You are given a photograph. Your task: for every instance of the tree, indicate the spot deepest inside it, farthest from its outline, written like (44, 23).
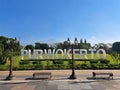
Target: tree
(44, 46)
(65, 45)
(41, 46)
(3, 52)
(84, 45)
(31, 47)
(116, 51)
(37, 45)
(116, 47)
(5, 49)
(59, 45)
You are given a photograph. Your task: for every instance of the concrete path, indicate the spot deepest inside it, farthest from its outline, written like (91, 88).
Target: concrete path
(61, 85)
(84, 81)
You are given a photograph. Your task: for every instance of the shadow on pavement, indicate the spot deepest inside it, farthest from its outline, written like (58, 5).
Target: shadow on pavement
(101, 78)
(36, 79)
(62, 78)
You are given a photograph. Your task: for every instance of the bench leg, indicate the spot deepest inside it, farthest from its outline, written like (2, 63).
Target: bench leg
(109, 78)
(112, 77)
(94, 75)
(33, 75)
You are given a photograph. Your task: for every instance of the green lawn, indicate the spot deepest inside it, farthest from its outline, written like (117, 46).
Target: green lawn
(48, 63)
(16, 60)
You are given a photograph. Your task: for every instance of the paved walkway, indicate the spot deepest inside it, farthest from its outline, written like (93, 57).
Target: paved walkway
(59, 81)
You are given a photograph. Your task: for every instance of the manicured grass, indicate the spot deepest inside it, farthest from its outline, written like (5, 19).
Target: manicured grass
(16, 60)
(46, 63)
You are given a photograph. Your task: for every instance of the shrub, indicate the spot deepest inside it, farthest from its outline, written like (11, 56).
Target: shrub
(2, 62)
(58, 62)
(104, 61)
(35, 62)
(38, 67)
(94, 66)
(85, 66)
(52, 67)
(78, 66)
(24, 67)
(24, 62)
(93, 61)
(69, 64)
(103, 66)
(114, 66)
(2, 67)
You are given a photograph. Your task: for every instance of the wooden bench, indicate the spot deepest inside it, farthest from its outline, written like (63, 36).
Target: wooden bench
(110, 75)
(42, 75)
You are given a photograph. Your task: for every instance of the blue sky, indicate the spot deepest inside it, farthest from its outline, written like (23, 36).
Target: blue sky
(97, 21)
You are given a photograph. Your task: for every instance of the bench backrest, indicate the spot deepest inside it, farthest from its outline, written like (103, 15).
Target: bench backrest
(42, 73)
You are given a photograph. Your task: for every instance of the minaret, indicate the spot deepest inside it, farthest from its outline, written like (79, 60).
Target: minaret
(81, 41)
(85, 41)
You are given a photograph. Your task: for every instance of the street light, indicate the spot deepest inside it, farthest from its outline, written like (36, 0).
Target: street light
(73, 76)
(11, 44)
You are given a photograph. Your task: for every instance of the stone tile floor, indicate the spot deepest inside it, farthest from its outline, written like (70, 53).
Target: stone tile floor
(61, 85)
(59, 81)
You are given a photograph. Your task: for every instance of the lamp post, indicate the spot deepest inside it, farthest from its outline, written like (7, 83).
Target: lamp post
(11, 44)
(73, 76)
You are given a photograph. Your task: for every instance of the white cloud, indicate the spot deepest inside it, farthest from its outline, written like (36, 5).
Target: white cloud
(97, 39)
(93, 40)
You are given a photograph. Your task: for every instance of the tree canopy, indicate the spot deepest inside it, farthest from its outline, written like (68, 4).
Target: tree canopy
(5, 48)
(116, 47)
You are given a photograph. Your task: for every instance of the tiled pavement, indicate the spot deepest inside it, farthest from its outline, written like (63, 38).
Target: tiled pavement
(60, 82)
(61, 85)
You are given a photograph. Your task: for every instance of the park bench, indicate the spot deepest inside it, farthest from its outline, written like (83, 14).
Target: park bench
(42, 75)
(110, 75)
